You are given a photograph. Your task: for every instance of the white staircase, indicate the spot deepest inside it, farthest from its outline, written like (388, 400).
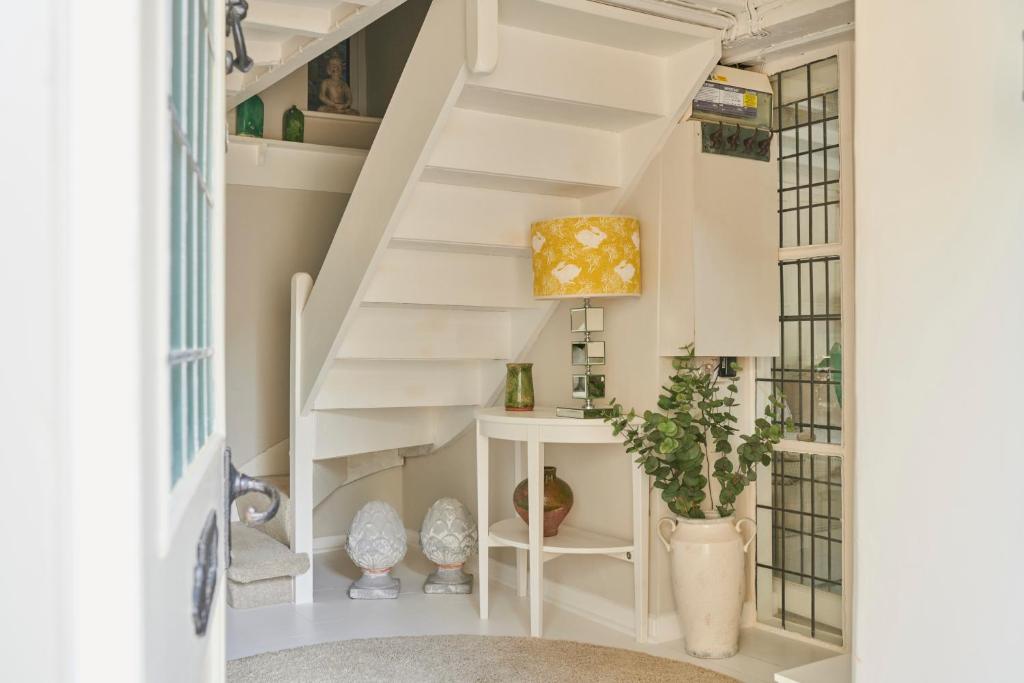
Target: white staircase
(506, 113)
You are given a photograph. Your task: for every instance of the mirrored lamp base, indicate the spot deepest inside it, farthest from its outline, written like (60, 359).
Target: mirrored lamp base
(582, 413)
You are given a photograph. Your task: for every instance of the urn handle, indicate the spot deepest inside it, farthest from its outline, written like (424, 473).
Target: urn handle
(753, 525)
(674, 523)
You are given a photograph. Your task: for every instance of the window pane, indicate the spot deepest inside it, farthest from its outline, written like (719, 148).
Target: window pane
(794, 85)
(191, 393)
(824, 76)
(799, 564)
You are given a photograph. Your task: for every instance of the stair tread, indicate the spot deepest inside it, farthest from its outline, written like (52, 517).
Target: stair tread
(497, 145)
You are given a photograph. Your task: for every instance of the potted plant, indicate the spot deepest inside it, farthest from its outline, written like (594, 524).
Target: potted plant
(685, 447)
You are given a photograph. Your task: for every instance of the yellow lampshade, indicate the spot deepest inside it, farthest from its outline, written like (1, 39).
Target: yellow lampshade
(586, 256)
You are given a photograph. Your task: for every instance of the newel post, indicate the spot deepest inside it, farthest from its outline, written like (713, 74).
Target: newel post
(481, 35)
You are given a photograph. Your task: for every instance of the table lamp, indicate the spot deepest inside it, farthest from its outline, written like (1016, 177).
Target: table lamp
(586, 257)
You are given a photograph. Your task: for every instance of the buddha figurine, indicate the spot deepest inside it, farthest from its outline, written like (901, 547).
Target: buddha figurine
(335, 94)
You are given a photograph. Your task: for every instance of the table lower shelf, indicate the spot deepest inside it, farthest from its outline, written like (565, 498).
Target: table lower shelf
(514, 533)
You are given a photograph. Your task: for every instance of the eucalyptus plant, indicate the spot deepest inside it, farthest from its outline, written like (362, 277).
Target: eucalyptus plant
(697, 425)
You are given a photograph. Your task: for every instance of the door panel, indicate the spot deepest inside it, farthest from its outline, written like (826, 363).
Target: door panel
(186, 529)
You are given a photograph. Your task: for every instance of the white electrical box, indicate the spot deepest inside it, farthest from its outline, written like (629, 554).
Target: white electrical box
(734, 96)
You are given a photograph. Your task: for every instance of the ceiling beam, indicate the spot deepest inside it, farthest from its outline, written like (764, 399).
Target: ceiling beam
(785, 26)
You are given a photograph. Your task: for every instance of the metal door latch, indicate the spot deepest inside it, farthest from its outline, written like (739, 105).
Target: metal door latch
(237, 484)
(236, 12)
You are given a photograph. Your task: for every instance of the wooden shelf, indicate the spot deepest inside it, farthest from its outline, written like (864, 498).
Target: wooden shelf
(514, 533)
(340, 130)
(292, 165)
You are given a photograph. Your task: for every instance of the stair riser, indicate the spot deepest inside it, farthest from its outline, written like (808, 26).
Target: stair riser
(414, 276)
(410, 333)
(345, 433)
(572, 71)
(384, 384)
(477, 216)
(492, 144)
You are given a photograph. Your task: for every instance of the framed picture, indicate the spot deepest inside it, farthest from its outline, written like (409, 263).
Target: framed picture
(334, 79)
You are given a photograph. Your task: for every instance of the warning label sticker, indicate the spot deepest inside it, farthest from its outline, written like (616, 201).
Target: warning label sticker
(718, 98)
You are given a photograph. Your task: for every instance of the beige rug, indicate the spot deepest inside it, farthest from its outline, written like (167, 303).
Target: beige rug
(463, 658)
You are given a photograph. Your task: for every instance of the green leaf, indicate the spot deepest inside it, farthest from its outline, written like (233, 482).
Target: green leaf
(668, 428)
(667, 445)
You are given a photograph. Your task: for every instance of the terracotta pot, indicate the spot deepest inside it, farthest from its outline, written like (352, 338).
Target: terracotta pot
(557, 501)
(707, 581)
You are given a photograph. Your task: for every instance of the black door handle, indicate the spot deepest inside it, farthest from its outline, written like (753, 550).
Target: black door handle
(236, 12)
(239, 484)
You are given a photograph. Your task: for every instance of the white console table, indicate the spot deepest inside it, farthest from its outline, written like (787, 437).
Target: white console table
(536, 428)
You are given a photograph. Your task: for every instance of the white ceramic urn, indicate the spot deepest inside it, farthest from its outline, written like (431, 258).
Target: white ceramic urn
(707, 580)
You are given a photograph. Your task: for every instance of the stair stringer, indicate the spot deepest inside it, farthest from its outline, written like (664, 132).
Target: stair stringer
(423, 98)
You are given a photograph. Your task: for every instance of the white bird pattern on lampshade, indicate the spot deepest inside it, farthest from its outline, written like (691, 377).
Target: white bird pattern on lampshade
(566, 272)
(591, 237)
(538, 243)
(625, 270)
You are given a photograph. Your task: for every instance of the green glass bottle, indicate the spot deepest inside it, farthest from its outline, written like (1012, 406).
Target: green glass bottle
(294, 124)
(249, 117)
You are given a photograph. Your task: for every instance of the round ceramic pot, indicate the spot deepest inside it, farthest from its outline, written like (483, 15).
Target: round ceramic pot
(707, 562)
(557, 501)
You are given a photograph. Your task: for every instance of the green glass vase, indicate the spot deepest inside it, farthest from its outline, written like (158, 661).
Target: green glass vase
(519, 386)
(294, 124)
(249, 118)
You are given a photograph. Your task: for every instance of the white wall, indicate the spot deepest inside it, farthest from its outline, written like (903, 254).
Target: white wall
(271, 234)
(939, 517)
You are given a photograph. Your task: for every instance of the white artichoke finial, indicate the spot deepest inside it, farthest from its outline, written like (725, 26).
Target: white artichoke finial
(376, 540)
(448, 535)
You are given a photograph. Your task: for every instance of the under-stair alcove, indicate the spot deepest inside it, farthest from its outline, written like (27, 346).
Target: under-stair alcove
(379, 279)
(512, 340)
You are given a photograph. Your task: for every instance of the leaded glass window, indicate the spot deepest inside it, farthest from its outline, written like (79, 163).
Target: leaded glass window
(800, 511)
(190, 359)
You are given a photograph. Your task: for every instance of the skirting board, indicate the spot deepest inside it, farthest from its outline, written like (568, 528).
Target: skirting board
(328, 544)
(662, 628)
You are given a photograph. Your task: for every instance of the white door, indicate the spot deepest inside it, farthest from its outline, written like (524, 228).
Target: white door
(185, 563)
(112, 388)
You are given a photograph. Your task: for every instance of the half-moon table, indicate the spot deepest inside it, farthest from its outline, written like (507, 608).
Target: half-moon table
(536, 428)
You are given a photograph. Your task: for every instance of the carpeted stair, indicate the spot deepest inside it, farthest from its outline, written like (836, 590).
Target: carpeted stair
(263, 565)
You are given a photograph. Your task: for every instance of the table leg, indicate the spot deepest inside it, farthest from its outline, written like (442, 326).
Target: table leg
(641, 515)
(482, 509)
(535, 474)
(521, 555)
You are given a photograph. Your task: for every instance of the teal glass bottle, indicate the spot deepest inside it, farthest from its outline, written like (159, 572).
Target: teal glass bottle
(294, 124)
(249, 117)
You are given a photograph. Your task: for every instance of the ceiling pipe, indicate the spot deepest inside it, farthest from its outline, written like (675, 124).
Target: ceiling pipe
(678, 10)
